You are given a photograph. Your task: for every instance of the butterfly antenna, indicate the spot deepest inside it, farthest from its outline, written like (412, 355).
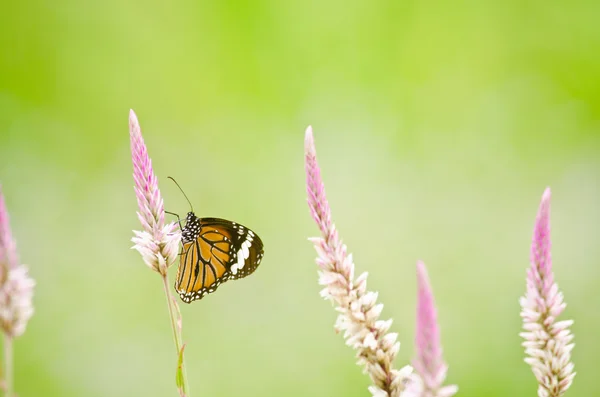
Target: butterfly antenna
(184, 195)
(178, 218)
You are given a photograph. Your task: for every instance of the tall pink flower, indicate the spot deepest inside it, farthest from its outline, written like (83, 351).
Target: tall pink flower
(157, 243)
(358, 308)
(547, 341)
(16, 286)
(16, 295)
(429, 364)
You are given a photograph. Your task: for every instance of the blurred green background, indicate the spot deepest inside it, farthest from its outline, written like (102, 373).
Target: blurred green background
(438, 125)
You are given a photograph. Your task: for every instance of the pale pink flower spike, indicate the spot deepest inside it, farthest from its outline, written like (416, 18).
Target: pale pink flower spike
(16, 296)
(8, 247)
(547, 341)
(158, 244)
(16, 286)
(358, 308)
(429, 365)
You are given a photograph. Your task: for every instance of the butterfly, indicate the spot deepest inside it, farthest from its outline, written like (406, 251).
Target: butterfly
(214, 251)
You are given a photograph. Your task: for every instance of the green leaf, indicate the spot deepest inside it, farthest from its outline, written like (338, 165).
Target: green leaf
(179, 374)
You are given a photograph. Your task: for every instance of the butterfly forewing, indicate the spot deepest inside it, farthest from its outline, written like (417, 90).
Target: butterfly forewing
(214, 251)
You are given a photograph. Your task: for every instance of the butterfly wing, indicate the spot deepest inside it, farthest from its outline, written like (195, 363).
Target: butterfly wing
(214, 250)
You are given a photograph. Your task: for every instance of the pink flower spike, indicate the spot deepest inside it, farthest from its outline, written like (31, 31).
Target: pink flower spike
(429, 364)
(358, 309)
(547, 342)
(540, 246)
(157, 243)
(16, 286)
(8, 249)
(317, 200)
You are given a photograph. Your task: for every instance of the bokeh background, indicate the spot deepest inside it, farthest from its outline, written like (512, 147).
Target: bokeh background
(438, 125)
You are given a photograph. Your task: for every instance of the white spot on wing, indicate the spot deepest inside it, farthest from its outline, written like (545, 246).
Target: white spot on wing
(245, 247)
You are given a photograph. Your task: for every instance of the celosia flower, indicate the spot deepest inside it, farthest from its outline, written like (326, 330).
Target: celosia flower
(547, 341)
(358, 308)
(16, 286)
(429, 364)
(8, 253)
(157, 243)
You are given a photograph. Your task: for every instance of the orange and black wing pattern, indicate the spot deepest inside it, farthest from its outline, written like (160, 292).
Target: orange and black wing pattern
(214, 251)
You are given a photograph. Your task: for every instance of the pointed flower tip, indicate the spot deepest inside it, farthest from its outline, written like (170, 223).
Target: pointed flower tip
(422, 276)
(544, 210)
(8, 250)
(545, 203)
(540, 246)
(134, 125)
(547, 194)
(309, 142)
(2, 206)
(426, 312)
(309, 131)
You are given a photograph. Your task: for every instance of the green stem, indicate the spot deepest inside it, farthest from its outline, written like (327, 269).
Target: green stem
(176, 331)
(8, 361)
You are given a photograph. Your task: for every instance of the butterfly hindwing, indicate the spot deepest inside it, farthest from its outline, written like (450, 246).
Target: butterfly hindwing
(214, 250)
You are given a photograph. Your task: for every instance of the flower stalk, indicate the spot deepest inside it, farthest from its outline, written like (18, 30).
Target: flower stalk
(157, 243)
(8, 364)
(358, 308)
(547, 341)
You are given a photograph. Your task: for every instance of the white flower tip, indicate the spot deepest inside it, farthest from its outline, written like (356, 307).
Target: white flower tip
(309, 143)
(546, 195)
(134, 125)
(132, 116)
(309, 131)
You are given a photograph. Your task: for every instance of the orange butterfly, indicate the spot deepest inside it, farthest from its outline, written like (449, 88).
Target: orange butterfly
(214, 251)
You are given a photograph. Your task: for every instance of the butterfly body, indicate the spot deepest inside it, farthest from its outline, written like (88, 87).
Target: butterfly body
(214, 251)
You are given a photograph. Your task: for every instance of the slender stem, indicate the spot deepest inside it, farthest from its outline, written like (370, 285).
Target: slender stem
(8, 361)
(176, 330)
